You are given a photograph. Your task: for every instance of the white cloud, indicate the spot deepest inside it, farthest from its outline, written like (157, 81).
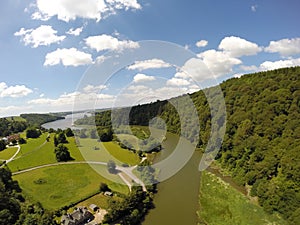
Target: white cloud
(286, 47)
(107, 42)
(254, 8)
(126, 4)
(66, 101)
(138, 78)
(93, 89)
(219, 63)
(75, 32)
(13, 110)
(149, 64)
(68, 57)
(16, 91)
(177, 82)
(249, 68)
(236, 46)
(201, 43)
(67, 10)
(43, 35)
(268, 65)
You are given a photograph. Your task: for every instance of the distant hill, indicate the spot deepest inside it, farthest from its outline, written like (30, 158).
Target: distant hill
(34, 119)
(261, 147)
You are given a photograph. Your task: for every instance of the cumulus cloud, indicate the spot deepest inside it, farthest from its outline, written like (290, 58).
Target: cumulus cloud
(138, 78)
(218, 62)
(148, 64)
(93, 89)
(201, 43)
(66, 101)
(16, 91)
(75, 32)
(107, 42)
(285, 47)
(269, 65)
(177, 82)
(236, 47)
(43, 35)
(68, 57)
(67, 10)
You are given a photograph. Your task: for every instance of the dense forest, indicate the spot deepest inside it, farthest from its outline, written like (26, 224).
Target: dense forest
(36, 120)
(10, 126)
(261, 147)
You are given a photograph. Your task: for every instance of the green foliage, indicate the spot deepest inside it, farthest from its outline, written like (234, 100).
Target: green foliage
(8, 127)
(2, 145)
(33, 133)
(69, 132)
(62, 153)
(10, 207)
(130, 210)
(37, 120)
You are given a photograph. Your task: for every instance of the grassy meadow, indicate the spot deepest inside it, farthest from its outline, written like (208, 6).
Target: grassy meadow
(8, 153)
(62, 185)
(220, 204)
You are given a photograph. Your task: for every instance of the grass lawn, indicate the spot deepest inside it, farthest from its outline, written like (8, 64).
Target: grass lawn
(99, 200)
(8, 153)
(38, 152)
(106, 151)
(221, 204)
(62, 185)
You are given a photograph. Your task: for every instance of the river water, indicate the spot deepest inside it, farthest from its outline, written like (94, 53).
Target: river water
(177, 199)
(65, 123)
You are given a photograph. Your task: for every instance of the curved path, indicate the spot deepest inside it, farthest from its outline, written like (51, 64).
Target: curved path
(126, 170)
(13, 157)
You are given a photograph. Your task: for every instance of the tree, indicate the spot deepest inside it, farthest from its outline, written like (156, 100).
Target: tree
(2, 145)
(103, 187)
(111, 166)
(33, 133)
(61, 138)
(62, 153)
(55, 141)
(69, 132)
(22, 141)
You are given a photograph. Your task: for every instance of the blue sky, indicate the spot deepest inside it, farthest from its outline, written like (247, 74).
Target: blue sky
(46, 46)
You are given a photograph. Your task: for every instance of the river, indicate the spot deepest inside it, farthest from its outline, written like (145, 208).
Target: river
(176, 202)
(65, 123)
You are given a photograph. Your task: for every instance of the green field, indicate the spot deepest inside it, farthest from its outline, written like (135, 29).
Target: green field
(62, 185)
(8, 153)
(36, 152)
(106, 151)
(220, 204)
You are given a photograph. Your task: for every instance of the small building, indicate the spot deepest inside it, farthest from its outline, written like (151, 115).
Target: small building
(94, 207)
(108, 193)
(79, 216)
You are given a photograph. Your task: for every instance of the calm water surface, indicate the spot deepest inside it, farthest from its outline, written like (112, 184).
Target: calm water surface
(65, 123)
(177, 198)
